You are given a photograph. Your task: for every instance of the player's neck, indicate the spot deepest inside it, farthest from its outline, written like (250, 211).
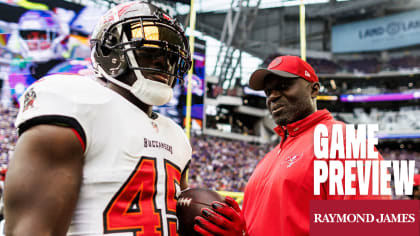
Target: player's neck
(131, 98)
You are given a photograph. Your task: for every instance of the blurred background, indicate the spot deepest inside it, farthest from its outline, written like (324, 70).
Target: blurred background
(366, 53)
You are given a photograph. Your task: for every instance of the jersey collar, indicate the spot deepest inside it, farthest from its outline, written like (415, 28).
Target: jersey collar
(299, 126)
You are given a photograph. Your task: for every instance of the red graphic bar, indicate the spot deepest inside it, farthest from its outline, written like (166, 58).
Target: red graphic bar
(365, 217)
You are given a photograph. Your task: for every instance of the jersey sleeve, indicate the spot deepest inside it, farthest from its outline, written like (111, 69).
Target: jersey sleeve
(188, 152)
(55, 100)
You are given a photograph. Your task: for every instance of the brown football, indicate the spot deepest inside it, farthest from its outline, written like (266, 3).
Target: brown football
(189, 205)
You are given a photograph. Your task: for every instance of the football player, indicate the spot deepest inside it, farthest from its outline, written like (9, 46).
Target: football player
(42, 41)
(94, 159)
(41, 35)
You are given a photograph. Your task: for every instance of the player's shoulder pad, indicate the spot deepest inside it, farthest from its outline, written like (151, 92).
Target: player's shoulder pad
(75, 88)
(69, 96)
(169, 123)
(179, 139)
(176, 130)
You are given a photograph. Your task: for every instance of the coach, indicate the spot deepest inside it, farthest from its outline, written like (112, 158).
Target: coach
(278, 194)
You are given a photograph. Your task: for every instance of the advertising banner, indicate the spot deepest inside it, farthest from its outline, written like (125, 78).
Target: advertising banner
(399, 30)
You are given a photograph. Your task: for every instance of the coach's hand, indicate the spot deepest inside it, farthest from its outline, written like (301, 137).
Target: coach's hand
(222, 219)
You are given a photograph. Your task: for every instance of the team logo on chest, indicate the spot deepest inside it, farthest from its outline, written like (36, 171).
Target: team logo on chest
(291, 160)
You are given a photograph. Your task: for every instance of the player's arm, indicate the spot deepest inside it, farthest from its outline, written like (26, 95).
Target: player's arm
(43, 181)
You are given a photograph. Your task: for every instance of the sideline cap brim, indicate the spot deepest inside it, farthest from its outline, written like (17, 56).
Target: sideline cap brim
(256, 82)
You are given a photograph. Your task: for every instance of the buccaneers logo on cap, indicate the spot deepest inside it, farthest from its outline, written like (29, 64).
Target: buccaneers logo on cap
(275, 63)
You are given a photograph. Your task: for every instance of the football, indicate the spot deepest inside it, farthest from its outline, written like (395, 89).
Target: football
(189, 205)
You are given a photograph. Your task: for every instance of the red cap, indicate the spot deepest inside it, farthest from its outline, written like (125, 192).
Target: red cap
(416, 180)
(284, 66)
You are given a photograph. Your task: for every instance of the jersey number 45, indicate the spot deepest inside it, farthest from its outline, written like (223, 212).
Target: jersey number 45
(133, 208)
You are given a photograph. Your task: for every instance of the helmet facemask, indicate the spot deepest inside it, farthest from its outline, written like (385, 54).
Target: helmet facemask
(155, 49)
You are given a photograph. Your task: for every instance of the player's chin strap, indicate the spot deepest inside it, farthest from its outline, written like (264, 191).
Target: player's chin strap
(148, 91)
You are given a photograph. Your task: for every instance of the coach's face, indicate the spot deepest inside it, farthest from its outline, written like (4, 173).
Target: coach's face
(290, 99)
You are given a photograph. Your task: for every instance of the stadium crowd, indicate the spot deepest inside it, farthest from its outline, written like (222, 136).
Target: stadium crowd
(223, 164)
(8, 134)
(402, 121)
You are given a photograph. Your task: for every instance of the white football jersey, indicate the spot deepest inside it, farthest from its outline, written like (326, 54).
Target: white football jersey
(133, 163)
